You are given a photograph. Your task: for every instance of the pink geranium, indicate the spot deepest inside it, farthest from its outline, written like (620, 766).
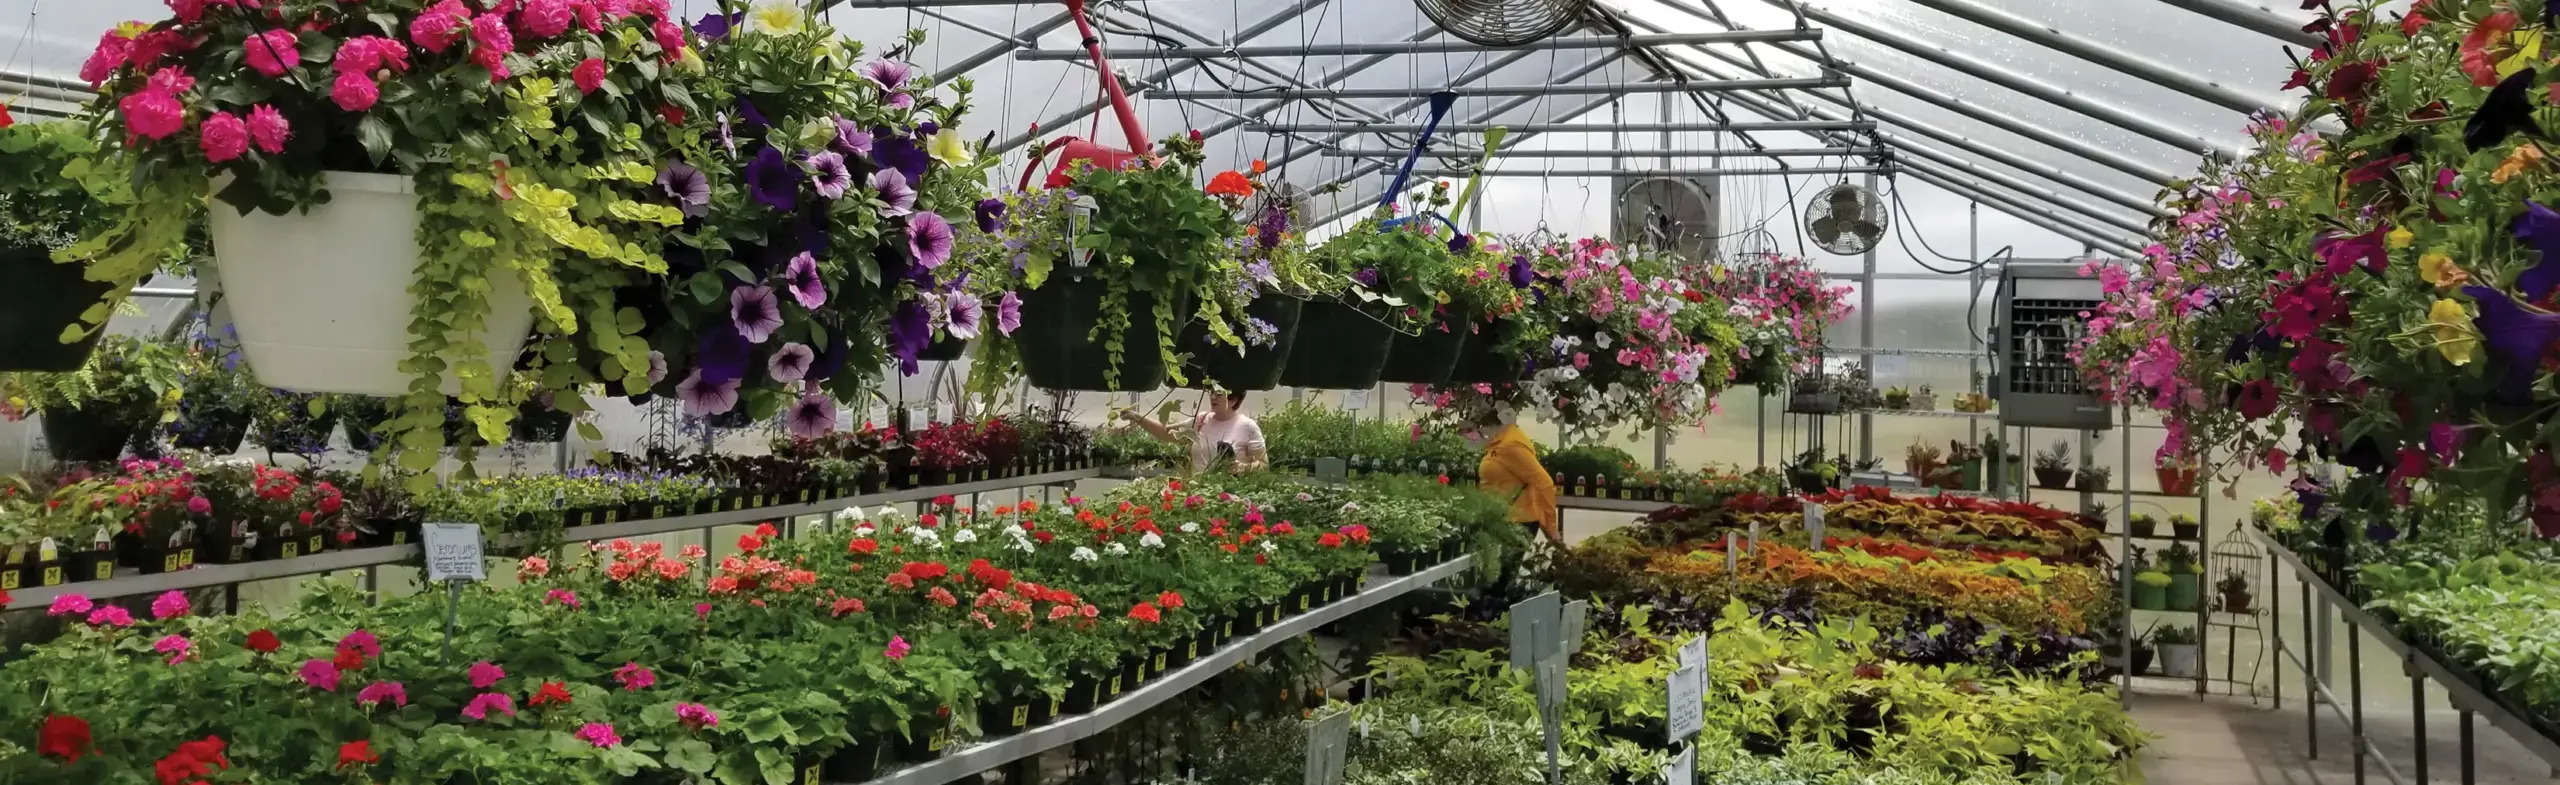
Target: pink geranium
(634, 677)
(152, 114)
(599, 734)
(70, 604)
(696, 716)
(172, 603)
(354, 91)
(271, 53)
(222, 137)
(485, 673)
(176, 646)
(319, 674)
(898, 647)
(110, 616)
(479, 707)
(382, 692)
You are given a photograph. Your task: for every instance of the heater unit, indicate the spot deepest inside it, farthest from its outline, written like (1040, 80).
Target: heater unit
(2042, 311)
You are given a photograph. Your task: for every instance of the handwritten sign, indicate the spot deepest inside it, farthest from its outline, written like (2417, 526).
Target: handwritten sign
(1688, 702)
(453, 552)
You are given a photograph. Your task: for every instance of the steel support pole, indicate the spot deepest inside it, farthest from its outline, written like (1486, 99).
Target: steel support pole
(2252, 17)
(2181, 138)
(1161, 76)
(1555, 128)
(2418, 719)
(2120, 61)
(1866, 339)
(2470, 766)
(1793, 152)
(1429, 47)
(1008, 44)
(1801, 170)
(1506, 91)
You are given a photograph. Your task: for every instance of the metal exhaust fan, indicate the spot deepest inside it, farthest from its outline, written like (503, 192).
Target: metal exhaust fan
(1668, 214)
(2039, 315)
(1504, 23)
(1845, 219)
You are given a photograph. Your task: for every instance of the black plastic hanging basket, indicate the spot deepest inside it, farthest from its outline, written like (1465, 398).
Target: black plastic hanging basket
(1060, 351)
(537, 424)
(1483, 361)
(39, 298)
(79, 435)
(1257, 367)
(1427, 357)
(945, 350)
(1345, 348)
(217, 431)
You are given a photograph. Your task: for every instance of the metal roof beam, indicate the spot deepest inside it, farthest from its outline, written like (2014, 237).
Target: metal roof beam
(1605, 173)
(1430, 47)
(1971, 66)
(1566, 128)
(2122, 62)
(2252, 17)
(1283, 77)
(1004, 42)
(1503, 91)
(2032, 214)
(1370, 202)
(1737, 152)
(1471, 74)
(2013, 160)
(1161, 76)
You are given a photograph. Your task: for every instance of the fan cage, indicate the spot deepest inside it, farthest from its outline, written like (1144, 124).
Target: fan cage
(1869, 208)
(2041, 334)
(1504, 23)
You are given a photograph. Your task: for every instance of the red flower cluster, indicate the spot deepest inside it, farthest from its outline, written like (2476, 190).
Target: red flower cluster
(641, 560)
(63, 738)
(552, 692)
(357, 753)
(988, 575)
(1146, 612)
(755, 572)
(264, 642)
(863, 546)
(192, 763)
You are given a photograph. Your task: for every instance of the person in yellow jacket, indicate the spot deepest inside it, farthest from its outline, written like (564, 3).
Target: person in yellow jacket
(1510, 467)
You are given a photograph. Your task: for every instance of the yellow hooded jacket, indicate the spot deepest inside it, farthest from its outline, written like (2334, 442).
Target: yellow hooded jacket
(1511, 466)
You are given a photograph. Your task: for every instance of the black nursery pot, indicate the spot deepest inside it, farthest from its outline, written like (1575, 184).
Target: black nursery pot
(1014, 715)
(1427, 358)
(38, 299)
(858, 762)
(80, 435)
(928, 738)
(2186, 531)
(1083, 693)
(1060, 350)
(1257, 367)
(217, 431)
(1347, 348)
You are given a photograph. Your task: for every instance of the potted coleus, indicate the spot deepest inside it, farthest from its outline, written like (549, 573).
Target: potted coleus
(1106, 273)
(401, 194)
(127, 388)
(44, 208)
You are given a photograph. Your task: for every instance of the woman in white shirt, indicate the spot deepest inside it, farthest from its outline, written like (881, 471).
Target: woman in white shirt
(1223, 425)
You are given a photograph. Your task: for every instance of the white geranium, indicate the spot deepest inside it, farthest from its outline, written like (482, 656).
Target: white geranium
(849, 514)
(925, 537)
(1350, 507)
(1116, 549)
(1150, 540)
(1022, 544)
(1190, 528)
(1084, 554)
(964, 536)
(1270, 546)
(890, 513)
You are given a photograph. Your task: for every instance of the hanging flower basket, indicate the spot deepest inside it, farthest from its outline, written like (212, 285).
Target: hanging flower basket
(1061, 352)
(1347, 348)
(321, 298)
(945, 349)
(38, 299)
(1258, 367)
(1425, 358)
(79, 435)
(1483, 361)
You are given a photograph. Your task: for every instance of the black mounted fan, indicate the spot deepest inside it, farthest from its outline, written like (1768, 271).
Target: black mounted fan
(1502, 22)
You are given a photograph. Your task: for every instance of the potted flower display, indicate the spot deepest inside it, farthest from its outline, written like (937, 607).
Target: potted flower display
(1924, 399)
(127, 388)
(402, 196)
(218, 401)
(1897, 398)
(1812, 394)
(1395, 271)
(1265, 278)
(2150, 590)
(2179, 650)
(2177, 475)
(2185, 527)
(2186, 576)
(2053, 466)
(295, 423)
(2233, 590)
(1786, 305)
(44, 208)
(2141, 524)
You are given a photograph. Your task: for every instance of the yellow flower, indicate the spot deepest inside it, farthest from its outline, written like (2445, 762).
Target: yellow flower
(2401, 237)
(776, 16)
(2455, 337)
(690, 61)
(949, 148)
(2440, 271)
(2525, 156)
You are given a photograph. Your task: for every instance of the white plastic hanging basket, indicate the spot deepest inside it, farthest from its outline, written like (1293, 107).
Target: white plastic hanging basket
(321, 298)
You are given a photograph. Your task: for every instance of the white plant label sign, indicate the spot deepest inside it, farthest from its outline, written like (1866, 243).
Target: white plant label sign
(453, 552)
(1683, 768)
(1813, 524)
(1328, 742)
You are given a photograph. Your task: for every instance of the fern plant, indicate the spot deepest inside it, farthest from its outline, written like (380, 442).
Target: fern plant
(128, 379)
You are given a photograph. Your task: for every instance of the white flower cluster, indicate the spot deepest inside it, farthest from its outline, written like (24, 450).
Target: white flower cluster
(1190, 527)
(1150, 540)
(849, 514)
(1021, 539)
(1116, 549)
(964, 536)
(925, 538)
(1084, 554)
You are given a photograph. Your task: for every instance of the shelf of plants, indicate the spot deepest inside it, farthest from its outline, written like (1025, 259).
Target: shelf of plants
(195, 574)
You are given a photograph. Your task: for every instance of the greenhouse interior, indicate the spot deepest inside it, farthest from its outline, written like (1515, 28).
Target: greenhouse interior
(1329, 392)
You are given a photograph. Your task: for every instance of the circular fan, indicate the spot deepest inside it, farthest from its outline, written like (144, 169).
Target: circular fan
(1502, 22)
(1845, 219)
(1666, 214)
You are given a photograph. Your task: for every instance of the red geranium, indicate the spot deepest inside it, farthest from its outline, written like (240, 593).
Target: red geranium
(1170, 599)
(551, 692)
(1146, 612)
(264, 642)
(64, 736)
(192, 762)
(356, 753)
(1330, 540)
(864, 545)
(348, 660)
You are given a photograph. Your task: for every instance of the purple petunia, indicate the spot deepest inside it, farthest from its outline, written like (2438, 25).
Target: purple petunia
(910, 328)
(722, 354)
(714, 27)
(831, 359)
(688, 186)
(773, 181)
(703, 399)
(812, 416)
(1522, 274)
(990, 214)
(897, 151)
(754, 312)
(802, 279)
(850, 139)
(2539, 227)
(657, 367)
(752, 119)
(888, 74)
(929, 238)
(896, 198)
(828, 174)
(964, 315)
(1008, 313)
(790, 363)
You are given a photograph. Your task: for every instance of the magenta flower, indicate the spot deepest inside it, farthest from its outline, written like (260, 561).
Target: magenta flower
(812, 416)
(319, 674)
(110, 616)
(362, 642)
(154, 113)
(199, 505)
(599, 734)
(898, 647)
(635, 677)
(802, 279)
(828, 174)
(696, 716)
(754, 312)
(1008, 313)
(703, 399)
(790, 363)
(895, 197)
(271, 53)
(382, 692)
(850, 139)
(701, 611)
(268, 129)
(171, 603)
(354, 91)
(929, 238)
(176, 646)
(2343, 252)
(545, 18)
(480, 707)
(562, 596)
(69, 604)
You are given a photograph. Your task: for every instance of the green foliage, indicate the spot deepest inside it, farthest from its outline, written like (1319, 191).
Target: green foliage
(128, 380)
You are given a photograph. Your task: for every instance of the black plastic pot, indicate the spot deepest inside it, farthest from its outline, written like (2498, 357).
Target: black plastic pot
(1426, 358)
(859, 762)
(1256, 367)
(1347, 348)
(2186, 531)
(299, 432)
(362, 420)
(945, 350)
(1015, 715)
(927, 737)
(1481, 360)
(1083, 693)
(217, 431)
(81, 435)
(1060, 350)
(39, 298)
(541, 424)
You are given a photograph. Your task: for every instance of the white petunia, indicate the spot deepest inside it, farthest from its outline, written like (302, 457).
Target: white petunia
(1601, 340)
(1084, 554)
(1150, 540)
